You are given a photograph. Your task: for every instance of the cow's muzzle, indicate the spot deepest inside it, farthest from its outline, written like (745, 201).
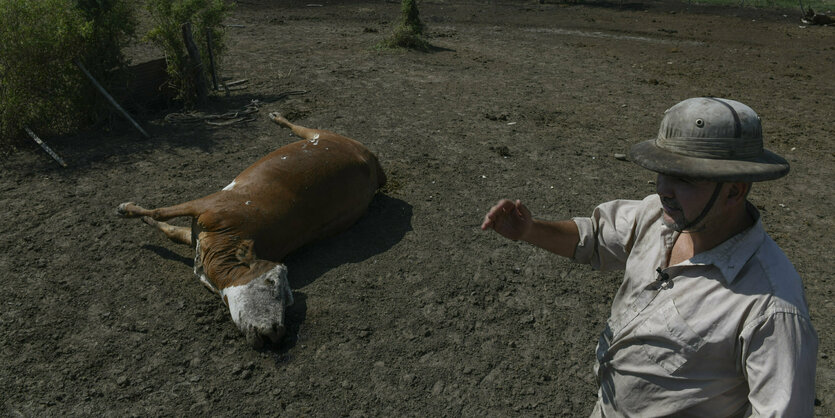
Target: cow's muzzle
(258, 306)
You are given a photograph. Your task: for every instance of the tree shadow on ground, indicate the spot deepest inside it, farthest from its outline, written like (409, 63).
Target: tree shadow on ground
(619, 5)
(117, 138)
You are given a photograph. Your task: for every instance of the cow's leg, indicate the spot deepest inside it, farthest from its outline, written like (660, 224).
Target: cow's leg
(155, 218)
(178, 234)
(300, 131)
(132, 210)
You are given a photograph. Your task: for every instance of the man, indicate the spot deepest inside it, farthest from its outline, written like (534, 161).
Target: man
(710, 319)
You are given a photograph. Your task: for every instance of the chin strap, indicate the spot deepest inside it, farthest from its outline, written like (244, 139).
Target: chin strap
(707, 208)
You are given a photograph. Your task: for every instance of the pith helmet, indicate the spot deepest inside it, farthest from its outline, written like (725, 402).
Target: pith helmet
(710, 139)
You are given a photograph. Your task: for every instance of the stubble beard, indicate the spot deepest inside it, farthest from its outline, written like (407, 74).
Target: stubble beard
(679, 224)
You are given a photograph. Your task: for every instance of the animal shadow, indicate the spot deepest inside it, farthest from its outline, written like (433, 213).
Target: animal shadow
(387, 221)
(168, 254)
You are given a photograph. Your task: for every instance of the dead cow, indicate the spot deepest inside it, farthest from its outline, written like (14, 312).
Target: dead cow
(297, 194)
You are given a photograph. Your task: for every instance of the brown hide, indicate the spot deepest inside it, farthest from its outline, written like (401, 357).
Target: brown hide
(297, 194)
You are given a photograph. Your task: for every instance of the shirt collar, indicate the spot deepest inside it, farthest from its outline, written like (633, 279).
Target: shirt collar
(730, 256)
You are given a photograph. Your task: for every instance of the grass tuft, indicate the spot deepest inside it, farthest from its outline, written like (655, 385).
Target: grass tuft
(409, 32)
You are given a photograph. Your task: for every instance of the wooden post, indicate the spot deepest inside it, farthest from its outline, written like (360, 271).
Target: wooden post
(210, 47)
(45, 147)
(111, 99)
(196, 63)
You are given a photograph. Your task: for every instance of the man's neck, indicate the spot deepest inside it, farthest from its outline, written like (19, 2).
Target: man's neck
(714, 231)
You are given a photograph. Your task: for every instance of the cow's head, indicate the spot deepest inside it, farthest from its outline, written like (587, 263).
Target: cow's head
(257, 307)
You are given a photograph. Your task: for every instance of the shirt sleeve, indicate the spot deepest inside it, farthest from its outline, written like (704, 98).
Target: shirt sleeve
(779, 364)
(607, 236)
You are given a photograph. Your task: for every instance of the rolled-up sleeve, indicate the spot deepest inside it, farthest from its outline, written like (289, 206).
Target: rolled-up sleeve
(779, 365)
(606, 238)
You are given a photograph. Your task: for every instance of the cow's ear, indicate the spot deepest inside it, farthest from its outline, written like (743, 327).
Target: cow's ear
(246, 251)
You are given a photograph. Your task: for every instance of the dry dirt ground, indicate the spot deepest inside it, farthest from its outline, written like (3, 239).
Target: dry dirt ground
(414, 311)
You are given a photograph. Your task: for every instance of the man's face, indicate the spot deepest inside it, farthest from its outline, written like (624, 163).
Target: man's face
(683, 200)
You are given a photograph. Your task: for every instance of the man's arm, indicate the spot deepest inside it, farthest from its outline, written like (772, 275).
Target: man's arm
(514, 221)
(780, 366)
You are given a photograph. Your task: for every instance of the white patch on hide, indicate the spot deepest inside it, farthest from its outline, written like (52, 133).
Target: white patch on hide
(268, 293)
(234, 297)
(230, 186)
(315, 139)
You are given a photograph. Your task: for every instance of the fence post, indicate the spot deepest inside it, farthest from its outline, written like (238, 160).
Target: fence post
(210, 47)
(196, 63)
(110, 98)
(45, 147)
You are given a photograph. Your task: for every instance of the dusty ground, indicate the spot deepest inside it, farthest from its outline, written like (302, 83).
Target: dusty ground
(414, 311)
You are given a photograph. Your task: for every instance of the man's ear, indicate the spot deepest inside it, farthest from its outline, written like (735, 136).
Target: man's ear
(737, 192)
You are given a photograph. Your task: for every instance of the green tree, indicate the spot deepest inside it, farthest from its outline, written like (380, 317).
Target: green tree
(204, 15)
(40, 86)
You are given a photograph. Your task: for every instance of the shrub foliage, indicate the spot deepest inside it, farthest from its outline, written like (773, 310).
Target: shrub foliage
(409, 31)
(204, 15)
(40, 86)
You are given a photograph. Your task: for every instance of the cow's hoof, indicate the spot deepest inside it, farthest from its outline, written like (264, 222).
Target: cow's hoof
(123, 211)
(258, 306)
(277, 118)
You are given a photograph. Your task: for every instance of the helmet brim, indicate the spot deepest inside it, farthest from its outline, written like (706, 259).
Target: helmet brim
(767, 166)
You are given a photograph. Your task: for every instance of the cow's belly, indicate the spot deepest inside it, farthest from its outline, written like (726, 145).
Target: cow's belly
(323, 209)
(281, 217)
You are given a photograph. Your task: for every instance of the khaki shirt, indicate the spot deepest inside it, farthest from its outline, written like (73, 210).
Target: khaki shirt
(727, 333)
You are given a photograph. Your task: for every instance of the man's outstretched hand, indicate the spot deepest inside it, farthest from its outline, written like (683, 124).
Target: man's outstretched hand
(510, 219)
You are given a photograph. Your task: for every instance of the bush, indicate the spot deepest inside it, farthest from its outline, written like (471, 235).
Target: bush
(114, 26)
(409, 32)
(169, 16)
(40, 86)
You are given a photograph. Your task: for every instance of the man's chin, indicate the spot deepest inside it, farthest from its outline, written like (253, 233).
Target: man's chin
(672, 223)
